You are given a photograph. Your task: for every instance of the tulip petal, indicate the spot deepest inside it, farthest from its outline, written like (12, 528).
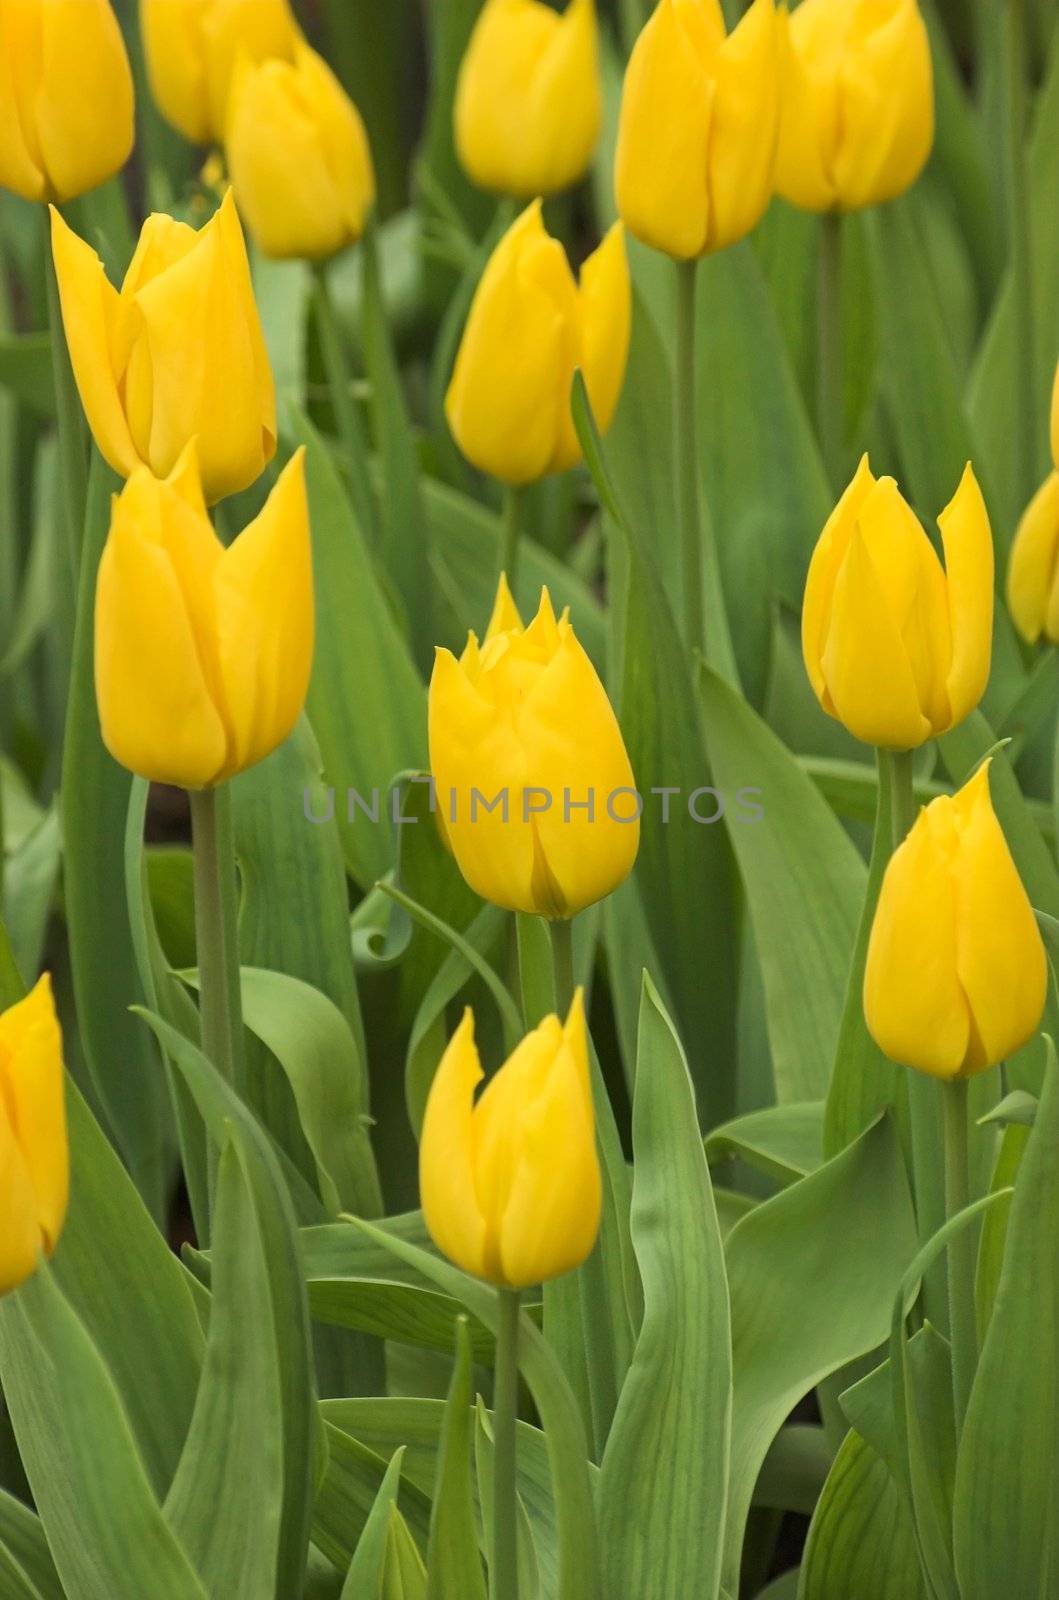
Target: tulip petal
(1033, 569)
(565, 104)
(605, 317)
(20, 1241)
(262, 29)
(21, 165)
(505, 617)
(90, 312)
(824, 567)
(84, 104)
(263, 587)
(914, 1002)
(808, 123)
(887, 109)
(32, 1083)
(172, 41)
(968, 543)
(744, 126)
(446, 1155)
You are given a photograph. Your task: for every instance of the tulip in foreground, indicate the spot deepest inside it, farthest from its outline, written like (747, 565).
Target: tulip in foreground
(66, 97)
(531, 326)
(510, 1182)
(177, 354)
(34, 1165)
(699, 121)
(1033, 567)
(298, 157)
(896, 646)
(202, 653)
(533, 783)
(858, 105)
(192, 46)
(956, 972)
(529, 100)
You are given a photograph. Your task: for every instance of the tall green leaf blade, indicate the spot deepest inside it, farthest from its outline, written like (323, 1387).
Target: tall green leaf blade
(365, 1573)
(22, 1537)
(454, 1566)
(860, 1540)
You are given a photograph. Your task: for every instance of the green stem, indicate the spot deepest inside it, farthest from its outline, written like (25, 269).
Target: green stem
(562, 937)
(351, 434)
(962, 1251)
(503, 1569)
(509, 538)
(220, 1004)
(829, 409)
(689, 510)
(1028, 430)
(73, 455)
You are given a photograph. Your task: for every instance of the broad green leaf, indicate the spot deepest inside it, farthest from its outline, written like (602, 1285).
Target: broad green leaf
(454, 1565)
(1006, 1533)
(226, 1499)
(860, 1540)
(785, 1142)
(848, 1230)
(804, 884)
(665, 1469)
(22, 1539)
(348, 1492)
(399, 1311)
(29, 880)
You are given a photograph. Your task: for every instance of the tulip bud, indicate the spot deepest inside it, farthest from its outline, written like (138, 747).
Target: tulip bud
(896, 646)
(510, 1182)
(298, 157)
(66, 97)
(1033, 567)
(34, 1164)
(203, 653)
(858, 108)
(178, 354)
(697, 132)
(956, 973)
(531, 326)
(531, 775)
(529, 101)
(192, 46)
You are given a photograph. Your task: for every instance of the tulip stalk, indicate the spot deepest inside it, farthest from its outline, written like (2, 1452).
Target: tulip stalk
(962, 1249)
(511, 530)
(220, 1003)
(340, 383)
(561, 931)
(503, 1574)
(829, 409)
(688, 508)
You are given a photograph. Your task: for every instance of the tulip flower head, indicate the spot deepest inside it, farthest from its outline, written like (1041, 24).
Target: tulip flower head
(298, 156)
(1033, 567)
(956, 972)
(699, 121)
(529, 100)
(34, 1164)
(531, 326)
(192, 47)
(858, 107)
(510, 1182)
(178, 354)
(66, 97)
(524, 717)
(202, 653)
(896, 646)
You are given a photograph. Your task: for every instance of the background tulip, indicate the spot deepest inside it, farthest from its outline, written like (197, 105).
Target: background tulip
(529, 101)
(192, 47)
(178, 354)
(896, 647)
(526, 711)
(698, 126)
(203, 653)
(298, 157)
(66, 97)
(1033, 568)
(956, 972)
(34, 1166)
(858, 103)
(510, 1182)
(530, 327)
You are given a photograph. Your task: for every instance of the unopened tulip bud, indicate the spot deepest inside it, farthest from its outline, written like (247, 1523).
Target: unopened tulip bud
(34, 1163)
(192, 47)
(1033, 567)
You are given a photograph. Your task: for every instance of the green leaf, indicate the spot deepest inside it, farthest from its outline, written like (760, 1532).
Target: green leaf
(226, 1499)
(1006, 1533)
(454, 1565)
(784, 1142)
(665, 1469)
(528, 1565)
(348, 1492)
(26, 1548)
(860, 1541)
(804, 884)
(26, 371)
(365, 1573)
(994, 1232)
(849, 1231)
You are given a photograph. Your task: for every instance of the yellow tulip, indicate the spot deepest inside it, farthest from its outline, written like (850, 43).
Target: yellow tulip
(177, 354)
(896, 646)
(1033, 567)
(956, 973)
(510, 1182)
(858, 108)
(298, 157)
(34, 1164)
(533, 783)
(529, 101)
(66, 97)
(699, 121)
(192, 47)
(203, 653)
(531, 325)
